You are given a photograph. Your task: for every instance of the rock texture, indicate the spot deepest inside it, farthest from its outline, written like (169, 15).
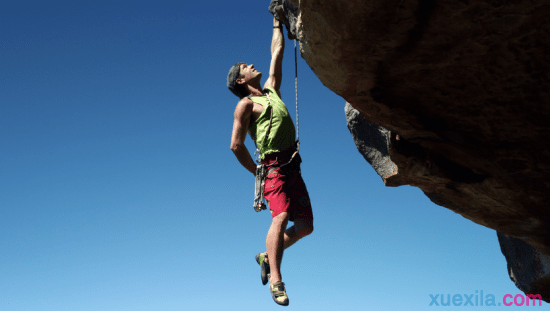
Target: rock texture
(290, 13)
(372, 141)
(527, 267)
(463, 86)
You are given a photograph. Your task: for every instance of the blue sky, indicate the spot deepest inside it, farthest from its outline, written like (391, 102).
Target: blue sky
(118, 189)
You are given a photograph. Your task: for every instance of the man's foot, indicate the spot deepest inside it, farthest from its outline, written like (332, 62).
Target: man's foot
(278, 293)
(261, 259)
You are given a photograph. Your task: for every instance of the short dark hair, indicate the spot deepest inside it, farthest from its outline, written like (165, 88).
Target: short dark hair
(236, 88)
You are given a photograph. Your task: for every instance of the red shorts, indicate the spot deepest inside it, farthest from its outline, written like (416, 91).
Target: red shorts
(285, 190)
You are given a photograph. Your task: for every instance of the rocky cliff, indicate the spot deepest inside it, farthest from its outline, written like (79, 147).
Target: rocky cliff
(461, 89)
(527, 267)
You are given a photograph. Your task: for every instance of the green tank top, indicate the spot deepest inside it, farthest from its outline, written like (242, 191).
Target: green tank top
(282, 134)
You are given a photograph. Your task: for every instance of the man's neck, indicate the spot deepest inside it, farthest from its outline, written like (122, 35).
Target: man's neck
(255, 89)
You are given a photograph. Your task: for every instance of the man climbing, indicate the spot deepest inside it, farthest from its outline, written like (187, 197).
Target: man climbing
(262, 113)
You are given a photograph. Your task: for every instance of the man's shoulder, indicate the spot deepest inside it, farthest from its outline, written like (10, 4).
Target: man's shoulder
(244, 101)
(244, 106)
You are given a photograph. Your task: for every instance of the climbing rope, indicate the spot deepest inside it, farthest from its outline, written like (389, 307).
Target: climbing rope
(296, 79)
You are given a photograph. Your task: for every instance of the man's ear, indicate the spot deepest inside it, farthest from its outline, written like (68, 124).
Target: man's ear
(240, 81)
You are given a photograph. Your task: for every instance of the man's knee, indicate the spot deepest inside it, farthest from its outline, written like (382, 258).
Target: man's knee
(305, 227)
(308, 229)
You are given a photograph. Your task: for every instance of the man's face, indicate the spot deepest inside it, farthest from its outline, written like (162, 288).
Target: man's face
(248, 73)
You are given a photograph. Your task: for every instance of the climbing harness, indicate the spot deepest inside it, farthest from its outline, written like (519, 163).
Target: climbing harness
(262, 170)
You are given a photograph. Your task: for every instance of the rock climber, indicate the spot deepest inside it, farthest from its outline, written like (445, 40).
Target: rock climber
(263, 114)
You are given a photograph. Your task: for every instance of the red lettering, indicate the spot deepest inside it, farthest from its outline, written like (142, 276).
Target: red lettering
(537, 296)
(522, 300)
(504, 300)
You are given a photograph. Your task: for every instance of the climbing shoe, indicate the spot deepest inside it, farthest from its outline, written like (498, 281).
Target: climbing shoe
(278, 293)
(261, 259)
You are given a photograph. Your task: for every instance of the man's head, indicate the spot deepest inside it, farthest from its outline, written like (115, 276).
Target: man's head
(240, 76)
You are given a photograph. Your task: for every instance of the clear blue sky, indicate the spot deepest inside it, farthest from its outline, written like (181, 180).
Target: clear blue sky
(118, 189)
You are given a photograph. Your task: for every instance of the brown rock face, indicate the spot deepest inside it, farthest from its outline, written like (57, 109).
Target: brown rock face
(463, 86)
(527, 267)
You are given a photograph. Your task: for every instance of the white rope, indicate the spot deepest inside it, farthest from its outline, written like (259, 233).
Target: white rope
(296, 71)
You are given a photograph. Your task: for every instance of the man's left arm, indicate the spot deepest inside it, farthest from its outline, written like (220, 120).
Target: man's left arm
(277, 51)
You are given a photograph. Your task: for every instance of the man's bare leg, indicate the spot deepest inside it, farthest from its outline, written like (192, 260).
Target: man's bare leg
(301, 228)
(275, 245)
(278, 240)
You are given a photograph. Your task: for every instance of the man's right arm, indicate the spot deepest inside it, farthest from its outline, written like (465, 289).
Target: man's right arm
(243, 113)
(277, 51)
